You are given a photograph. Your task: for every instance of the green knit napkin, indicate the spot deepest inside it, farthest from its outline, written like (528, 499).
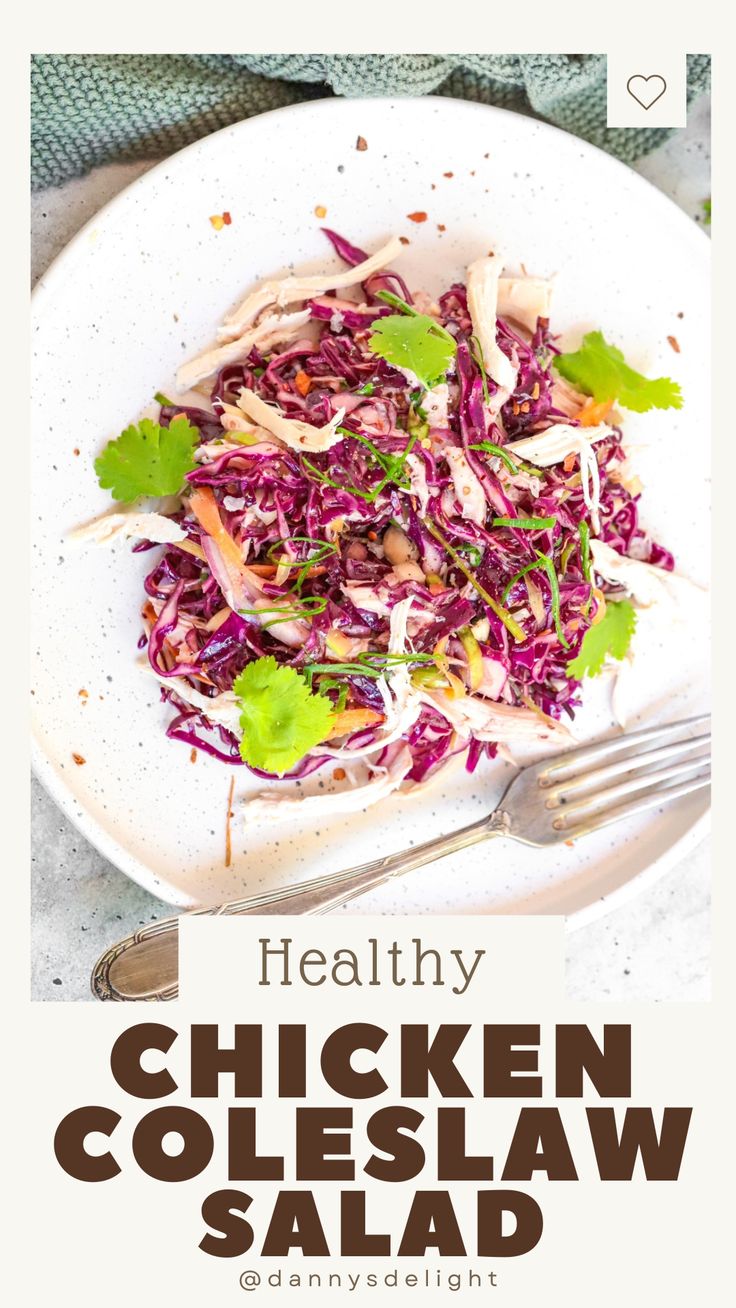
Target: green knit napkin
(92, 109)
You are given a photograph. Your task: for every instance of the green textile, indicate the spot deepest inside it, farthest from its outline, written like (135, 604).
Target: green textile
(92, 109)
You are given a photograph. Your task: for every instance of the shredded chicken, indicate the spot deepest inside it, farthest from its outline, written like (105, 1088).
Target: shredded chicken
(418, 480)
(271, 806)
(554, 444)
(291, 290)
(645, 583)
(469, 492)
(119, 526)
(487, 720)
(434, 404)
(482, 285)
(524, 299)
(561, 440)
(293, 432)
(271, 331)
(221, 709)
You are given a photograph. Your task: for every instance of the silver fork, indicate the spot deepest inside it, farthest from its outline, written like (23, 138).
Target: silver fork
(560, 799)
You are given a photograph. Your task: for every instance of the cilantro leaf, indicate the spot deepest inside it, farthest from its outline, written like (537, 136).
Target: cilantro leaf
(147, 460)
(413, 342)
(611, 636)
(280, 716)
(600, 370)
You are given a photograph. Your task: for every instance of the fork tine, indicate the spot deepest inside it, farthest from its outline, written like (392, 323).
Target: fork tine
(577, 759)
(607, 816)
(587, 780)
(587, 803)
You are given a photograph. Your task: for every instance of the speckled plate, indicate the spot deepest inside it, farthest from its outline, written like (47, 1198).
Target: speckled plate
(142, 287)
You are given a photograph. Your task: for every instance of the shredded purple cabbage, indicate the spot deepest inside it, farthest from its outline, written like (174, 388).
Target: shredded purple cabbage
(335, 508)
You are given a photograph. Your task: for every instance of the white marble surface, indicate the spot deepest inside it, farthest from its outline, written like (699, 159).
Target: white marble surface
(654, 948)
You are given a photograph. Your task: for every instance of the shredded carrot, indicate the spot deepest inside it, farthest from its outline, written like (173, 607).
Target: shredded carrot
(600, 611)
(569, 463)
(303, 382)
(79, 760)
(350, 720)
(204, 507)
(263, 569)
(337, 643)
(591, 414)
(228, 840)
(270, 569)
(456, 688)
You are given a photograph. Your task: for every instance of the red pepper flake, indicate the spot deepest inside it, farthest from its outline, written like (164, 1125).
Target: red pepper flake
(228, 840)
(419, 216)
(75, 453)
(339, 774)
(674, 343)
(320, 211)
(302, 381)
(193, 756)
(226, 218)
(361, 143)
(570, 843)
(441, 227)
(83, 694)
(434, 188)
(486, 156)
(373, 535)
(448, 174)
(79, 760)
(681, 314)
(405, 240)
(218, 222)
(472, 172)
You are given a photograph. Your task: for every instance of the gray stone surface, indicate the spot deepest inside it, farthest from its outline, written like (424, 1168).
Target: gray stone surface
(656, 947)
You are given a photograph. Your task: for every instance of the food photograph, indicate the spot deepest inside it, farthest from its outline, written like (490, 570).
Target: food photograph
(371, 508)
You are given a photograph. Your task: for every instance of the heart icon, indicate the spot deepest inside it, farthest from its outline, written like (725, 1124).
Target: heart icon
(646, 90)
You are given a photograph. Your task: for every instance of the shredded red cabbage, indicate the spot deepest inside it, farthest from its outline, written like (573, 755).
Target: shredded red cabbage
(311, 526)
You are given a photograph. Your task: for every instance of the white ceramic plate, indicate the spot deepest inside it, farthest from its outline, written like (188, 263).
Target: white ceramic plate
(142, 288)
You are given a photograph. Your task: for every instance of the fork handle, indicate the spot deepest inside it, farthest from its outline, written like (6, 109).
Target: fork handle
(144, 966)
